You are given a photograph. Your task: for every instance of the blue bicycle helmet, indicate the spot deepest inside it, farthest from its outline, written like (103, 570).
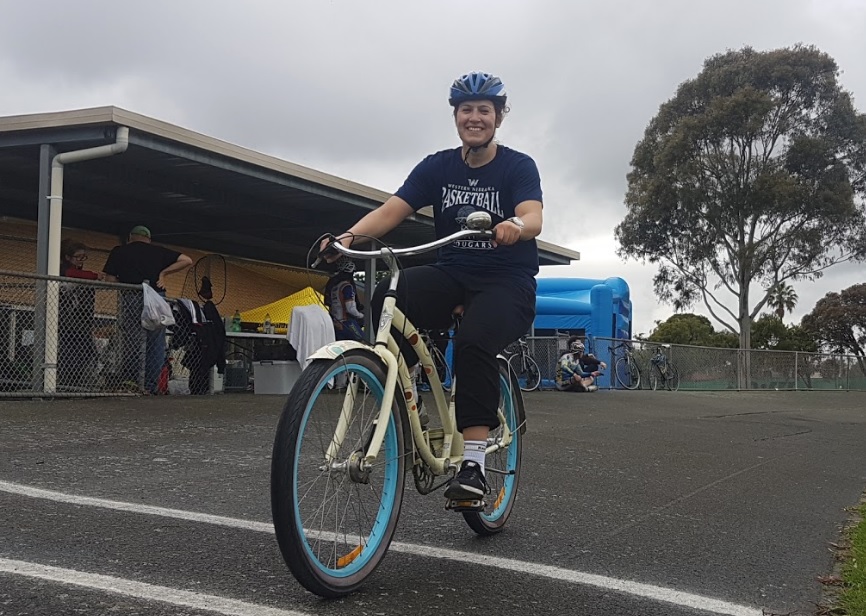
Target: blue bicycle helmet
(478, 86)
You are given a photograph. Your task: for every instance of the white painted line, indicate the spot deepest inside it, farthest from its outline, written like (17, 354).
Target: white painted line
(648, 591)
(638, 589)
(140, 590)
(87, 501)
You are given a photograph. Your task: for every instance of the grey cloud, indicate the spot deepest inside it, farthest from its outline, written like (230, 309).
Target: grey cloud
(359, 88)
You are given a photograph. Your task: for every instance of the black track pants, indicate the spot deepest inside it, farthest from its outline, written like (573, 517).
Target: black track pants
(497, 311)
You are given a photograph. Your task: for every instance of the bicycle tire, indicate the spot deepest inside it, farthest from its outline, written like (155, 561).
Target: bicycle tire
(527, 371)
(442, 367)
(331, 550)
(627, 373)
(502, 466)
(673, 380)
(656, 378)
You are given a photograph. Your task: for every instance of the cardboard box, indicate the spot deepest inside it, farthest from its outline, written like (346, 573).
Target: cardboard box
(275, 376)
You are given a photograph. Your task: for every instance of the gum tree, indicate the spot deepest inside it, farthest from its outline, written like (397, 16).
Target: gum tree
(752, 174)
(838, 321)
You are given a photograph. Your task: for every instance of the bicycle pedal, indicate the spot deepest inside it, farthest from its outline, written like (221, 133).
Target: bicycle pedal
(464, 505)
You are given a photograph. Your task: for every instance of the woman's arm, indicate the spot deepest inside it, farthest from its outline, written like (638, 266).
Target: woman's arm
(74, 272)
(507, 232)
(378, 222)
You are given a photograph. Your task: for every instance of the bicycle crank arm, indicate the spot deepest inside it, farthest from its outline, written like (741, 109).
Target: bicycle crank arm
(497, 471)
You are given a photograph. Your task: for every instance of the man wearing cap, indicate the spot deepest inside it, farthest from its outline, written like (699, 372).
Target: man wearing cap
(135, 262)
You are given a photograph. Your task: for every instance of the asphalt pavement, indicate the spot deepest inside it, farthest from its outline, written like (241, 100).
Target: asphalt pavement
(630, 503)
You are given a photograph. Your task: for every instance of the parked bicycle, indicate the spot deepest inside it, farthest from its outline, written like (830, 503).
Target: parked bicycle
(523, 364)
(625, 368)
(339, 456)
(663, 373)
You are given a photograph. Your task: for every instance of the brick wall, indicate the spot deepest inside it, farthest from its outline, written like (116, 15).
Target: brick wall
(238, 284)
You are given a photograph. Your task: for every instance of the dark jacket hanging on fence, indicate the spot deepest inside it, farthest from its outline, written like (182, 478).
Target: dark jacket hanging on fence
(200, 332)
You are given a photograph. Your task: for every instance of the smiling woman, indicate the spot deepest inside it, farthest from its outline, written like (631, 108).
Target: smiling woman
(494, 279)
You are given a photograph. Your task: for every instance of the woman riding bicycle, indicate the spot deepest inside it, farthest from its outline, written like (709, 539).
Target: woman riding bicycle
(494, 280)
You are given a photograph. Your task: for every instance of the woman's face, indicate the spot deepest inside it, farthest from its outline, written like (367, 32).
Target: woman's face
(476, 122)
(78, 258)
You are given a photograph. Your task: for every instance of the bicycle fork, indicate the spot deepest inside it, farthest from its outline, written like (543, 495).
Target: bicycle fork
(381, 422)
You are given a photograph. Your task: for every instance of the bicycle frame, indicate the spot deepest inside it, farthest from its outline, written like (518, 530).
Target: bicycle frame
(387, 349)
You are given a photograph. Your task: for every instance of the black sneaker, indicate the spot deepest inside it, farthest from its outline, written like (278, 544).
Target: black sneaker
(469, 483)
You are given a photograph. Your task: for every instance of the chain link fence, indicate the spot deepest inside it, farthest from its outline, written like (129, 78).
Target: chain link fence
(71, 337)
(64, 336)
(709, 368)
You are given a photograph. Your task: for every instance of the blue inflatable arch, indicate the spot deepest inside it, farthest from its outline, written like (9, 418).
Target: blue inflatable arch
(584, 307)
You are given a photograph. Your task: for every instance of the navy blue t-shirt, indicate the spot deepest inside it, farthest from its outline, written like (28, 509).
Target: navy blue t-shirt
(455, 190)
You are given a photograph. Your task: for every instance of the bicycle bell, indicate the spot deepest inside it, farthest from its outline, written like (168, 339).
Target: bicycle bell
(478, 221)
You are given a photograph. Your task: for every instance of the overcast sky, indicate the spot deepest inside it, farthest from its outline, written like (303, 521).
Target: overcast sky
(358, 88)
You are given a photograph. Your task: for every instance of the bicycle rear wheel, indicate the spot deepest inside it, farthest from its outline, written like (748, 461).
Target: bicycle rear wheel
(503, 465)
(526, 370)
(673, 381)
(334, 520)
(443, 370)
(627, 372)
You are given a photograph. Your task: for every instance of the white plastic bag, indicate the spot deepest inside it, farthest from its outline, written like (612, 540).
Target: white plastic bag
(156, 313)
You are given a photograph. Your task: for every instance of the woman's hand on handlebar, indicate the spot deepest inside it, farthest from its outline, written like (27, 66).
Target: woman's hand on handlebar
(506, 233)
(327, 253)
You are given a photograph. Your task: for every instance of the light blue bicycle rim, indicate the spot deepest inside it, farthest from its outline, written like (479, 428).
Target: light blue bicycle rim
(511, 458)
(389, 488)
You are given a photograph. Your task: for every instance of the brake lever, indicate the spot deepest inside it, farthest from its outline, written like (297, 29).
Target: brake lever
(328, 250)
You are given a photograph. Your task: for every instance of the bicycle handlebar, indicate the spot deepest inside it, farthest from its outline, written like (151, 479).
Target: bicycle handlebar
(478, 223)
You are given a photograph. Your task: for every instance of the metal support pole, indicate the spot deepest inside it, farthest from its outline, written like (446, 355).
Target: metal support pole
(43, 208)
(796, 370)
(46, 155)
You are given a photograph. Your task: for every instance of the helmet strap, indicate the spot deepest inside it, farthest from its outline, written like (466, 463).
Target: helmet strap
(477, 148)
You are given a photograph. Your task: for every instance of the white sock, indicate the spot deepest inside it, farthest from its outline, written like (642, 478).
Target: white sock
(475, 451)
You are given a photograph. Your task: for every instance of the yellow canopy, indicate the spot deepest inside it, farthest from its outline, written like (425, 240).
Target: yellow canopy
(280, 311)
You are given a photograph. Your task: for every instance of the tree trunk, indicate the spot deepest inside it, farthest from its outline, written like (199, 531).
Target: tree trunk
(745, 321)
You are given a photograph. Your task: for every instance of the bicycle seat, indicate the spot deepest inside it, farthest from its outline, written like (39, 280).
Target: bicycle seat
(458, 310)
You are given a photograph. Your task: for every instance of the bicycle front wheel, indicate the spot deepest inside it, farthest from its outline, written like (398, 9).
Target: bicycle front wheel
(526, 370)
(627, 373)
(333, 515)
(656, 378)
(502, 467)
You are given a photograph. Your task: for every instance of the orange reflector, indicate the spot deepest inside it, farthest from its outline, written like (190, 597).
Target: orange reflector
(499, 498)
(348, 558)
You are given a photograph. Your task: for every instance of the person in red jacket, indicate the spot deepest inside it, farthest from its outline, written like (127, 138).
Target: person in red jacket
(73, 255)
(76, 361)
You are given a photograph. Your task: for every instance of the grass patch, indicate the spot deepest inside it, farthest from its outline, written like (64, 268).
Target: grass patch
(853, 592)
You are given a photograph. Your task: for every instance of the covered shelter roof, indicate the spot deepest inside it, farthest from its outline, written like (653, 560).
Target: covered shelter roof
(192, 190)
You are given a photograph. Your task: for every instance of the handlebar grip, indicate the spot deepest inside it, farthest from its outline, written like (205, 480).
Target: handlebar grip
(328, 250)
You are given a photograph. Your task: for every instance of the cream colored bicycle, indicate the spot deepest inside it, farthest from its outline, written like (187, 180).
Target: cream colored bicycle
(351, 428)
